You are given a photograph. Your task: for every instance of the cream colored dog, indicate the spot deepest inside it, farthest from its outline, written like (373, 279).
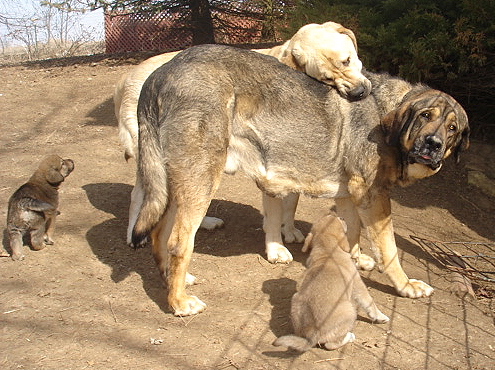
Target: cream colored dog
(326, 52)
(324, 309)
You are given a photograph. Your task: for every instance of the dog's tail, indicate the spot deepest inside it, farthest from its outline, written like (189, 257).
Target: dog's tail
(299, 344)
(153, 177)
(35, 205)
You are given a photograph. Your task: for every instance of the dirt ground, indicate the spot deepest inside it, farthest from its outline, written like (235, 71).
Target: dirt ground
(90, 302)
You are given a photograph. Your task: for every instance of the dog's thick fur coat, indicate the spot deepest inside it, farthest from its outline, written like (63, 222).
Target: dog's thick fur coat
(214, 108)
(34, 206)
(323, 311)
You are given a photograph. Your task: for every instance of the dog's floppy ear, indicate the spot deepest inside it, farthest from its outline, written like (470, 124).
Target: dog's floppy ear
(462, 145)
(394, 123)
(349, 33)
(53, 176)
(299, 57)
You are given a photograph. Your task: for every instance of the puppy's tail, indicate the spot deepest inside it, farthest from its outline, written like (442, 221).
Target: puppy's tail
(294, 342)
(153, 177)
(35, 205)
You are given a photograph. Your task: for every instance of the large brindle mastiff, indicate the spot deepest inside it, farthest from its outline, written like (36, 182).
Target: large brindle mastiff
(326, 52)
(214, 109)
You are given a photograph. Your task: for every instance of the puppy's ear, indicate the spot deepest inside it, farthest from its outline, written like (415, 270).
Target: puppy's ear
(344, 224)
(394, 123)
(349, 33)
(53, 176)
(343, 243)
(307, 243)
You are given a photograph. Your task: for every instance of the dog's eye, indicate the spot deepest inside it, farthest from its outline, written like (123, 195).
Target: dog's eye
(425, 115)
(452, 127)
(346, 62)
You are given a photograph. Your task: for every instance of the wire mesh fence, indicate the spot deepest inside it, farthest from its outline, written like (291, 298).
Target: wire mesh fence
(169, 31)
(475, 260)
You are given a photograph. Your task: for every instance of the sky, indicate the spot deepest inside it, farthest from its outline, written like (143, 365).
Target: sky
(29, 8)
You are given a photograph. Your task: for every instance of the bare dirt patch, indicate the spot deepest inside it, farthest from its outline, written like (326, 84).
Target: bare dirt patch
(90, 302)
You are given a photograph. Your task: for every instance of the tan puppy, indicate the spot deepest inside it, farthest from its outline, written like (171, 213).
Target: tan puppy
(34, 206)
(326, 52)
(324, 309)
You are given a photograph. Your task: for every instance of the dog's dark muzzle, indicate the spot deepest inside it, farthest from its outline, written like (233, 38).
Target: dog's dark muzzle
(428, 151)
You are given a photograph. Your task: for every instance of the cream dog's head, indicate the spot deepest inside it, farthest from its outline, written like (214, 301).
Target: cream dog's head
(328, 53)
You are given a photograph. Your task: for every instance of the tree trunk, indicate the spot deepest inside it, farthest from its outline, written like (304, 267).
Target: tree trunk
(201, 22)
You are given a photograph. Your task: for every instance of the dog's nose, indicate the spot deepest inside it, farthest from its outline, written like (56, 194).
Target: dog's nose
(358, 93)
(433, 142)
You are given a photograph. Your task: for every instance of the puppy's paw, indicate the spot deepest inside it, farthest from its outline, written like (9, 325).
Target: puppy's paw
(277, 253)
(17, 256)
(190, 279)
(415, 289)
(49, 241)
(210, 223)
(188, 305)
(292, 235)
(365, 262)
(38, 247)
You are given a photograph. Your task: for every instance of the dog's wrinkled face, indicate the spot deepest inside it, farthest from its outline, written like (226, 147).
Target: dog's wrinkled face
(56, 169)
(428, 127)
(328, 53)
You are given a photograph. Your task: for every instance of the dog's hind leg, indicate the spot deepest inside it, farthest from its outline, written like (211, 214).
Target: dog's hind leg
(363, 298)
(291, 234)
(272, 225)
(339, 342)
(15, 240)
(137, 196)
(348, 211)
(189, 214)
(38, 238)
(50, 227)
(160, 236)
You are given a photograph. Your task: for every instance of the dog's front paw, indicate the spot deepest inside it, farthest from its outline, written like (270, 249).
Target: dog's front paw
(415, 289)
(365, 262)
(210, 223)
(292, 235)
(142, 244)
(188, 305)
(380, 318)
(277, 253)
